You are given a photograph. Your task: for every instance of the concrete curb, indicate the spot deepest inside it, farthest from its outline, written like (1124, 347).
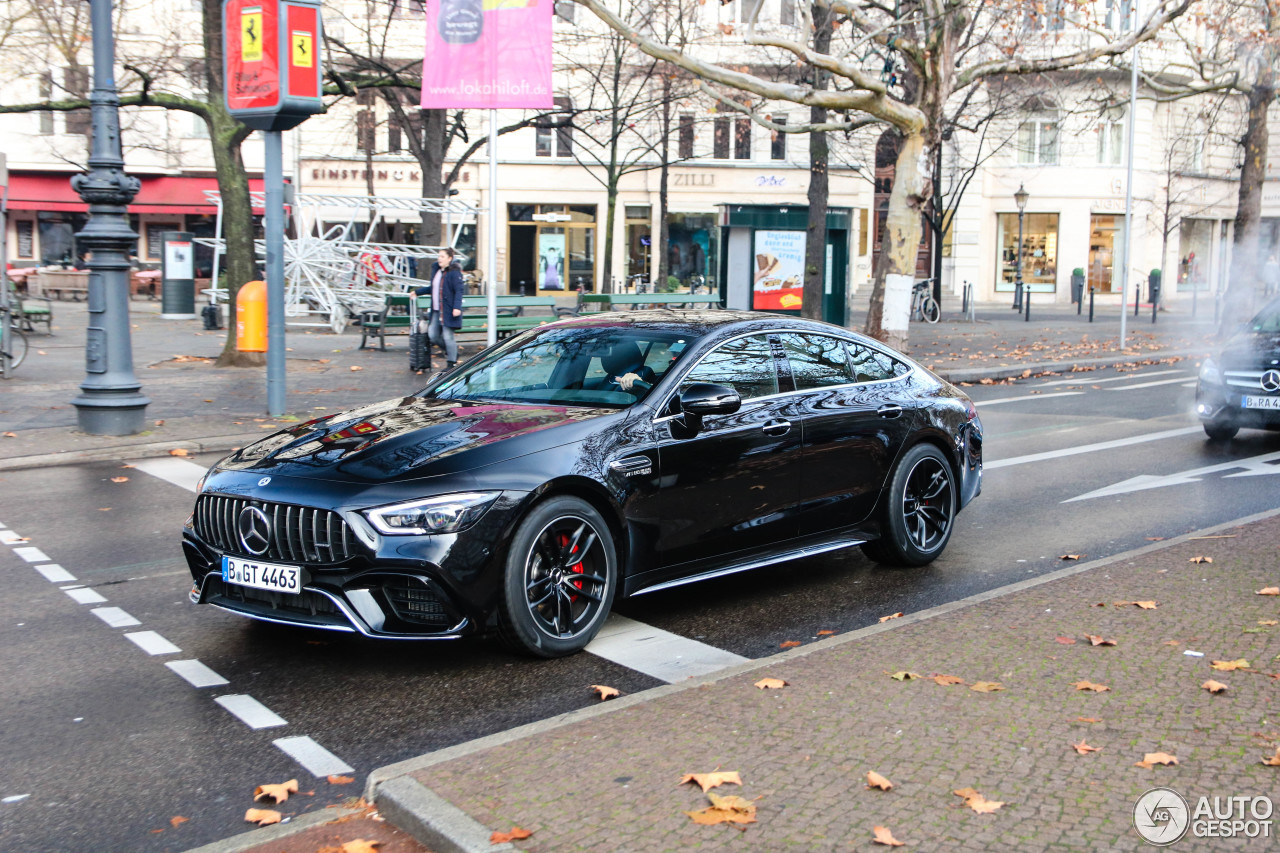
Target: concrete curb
(441, 815)
(255, 838)
(432, 820)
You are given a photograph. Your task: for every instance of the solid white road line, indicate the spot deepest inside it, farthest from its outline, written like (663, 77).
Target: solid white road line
(1128, 377)
(10, 537)
(251, 712)
(115, 617)
(152, 643)
(31, 555)
(1177, 381)
(311, 755)
(196, 673)
(981, 404)
(84, 595)
(658, 653)
(173, 470)
(54, 573)
(1090, 448)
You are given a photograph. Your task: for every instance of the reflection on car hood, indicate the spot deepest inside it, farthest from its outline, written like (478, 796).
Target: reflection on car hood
(1251, 350)
(412, 437)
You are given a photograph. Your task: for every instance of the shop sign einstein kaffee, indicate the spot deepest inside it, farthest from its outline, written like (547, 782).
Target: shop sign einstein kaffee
(356, 177)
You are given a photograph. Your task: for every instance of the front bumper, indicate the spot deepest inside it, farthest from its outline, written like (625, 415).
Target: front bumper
(1219, 403)
(392, 587)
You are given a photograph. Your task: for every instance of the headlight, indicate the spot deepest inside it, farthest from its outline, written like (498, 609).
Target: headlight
(444, 514)
(1209, 371)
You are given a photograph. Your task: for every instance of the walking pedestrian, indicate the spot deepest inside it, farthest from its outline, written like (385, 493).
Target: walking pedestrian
(445, 316)
(1271, 276)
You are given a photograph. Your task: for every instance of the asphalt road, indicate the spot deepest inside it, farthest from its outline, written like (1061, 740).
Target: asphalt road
(103, 743)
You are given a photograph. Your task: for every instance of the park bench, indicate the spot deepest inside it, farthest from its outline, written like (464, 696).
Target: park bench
(396, 317)
(511, 316)
(616, 301)
(26, 311)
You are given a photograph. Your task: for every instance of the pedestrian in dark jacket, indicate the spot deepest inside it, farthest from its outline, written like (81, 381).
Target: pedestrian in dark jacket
(446, 304)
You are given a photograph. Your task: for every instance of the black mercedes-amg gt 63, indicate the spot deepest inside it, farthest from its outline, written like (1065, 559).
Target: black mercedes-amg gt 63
(1240, 385)
(592, 458)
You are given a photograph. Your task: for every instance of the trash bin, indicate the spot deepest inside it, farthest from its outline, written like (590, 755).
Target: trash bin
(178, 276)
(1077, 285)
(1153, 287)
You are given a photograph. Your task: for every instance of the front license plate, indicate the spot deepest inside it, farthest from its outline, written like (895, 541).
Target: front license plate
(261, 575)
(1251, 402)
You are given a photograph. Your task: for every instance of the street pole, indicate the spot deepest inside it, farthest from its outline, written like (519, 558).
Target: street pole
(273, 201)
(1018, 294)
(111, 402)
(1128, 184)
(4, 260)
(491, 336)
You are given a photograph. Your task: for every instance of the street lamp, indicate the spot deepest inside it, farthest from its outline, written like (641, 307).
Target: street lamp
(1019, 198)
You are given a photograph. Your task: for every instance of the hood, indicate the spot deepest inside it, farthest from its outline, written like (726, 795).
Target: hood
(413, 437)
(1249, 350)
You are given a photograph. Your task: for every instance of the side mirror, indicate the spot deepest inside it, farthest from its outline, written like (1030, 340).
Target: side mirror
(702, 399)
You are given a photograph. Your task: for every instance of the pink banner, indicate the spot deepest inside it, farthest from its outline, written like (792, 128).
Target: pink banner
(487, 54)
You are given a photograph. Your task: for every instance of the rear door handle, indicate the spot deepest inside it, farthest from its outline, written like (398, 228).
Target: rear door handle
(777, 427)
(891, 410)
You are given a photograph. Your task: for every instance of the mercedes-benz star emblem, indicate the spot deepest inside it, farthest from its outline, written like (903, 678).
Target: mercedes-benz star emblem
(1271, 381)
(264, 481)
(255, 530)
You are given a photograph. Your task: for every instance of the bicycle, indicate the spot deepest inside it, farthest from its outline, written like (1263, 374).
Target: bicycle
(13, 343)
(923, 305)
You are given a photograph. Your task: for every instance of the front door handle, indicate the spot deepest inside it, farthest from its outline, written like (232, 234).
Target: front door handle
(777, 427)
(890, 410)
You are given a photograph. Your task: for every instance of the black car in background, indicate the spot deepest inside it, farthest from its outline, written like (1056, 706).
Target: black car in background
(585, 460)
(1240, 386)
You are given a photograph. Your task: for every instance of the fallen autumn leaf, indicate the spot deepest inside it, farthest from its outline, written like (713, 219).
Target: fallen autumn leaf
(707, 781)
(904, 675)
(897, 615)
(1214, 686)
(340, 780)
(119, 479)
(1095, 640)
(789, 644)
(771, 684)
(263, 817)
(1273, 761)
(178, 820)
(1066, 641)
(1089, 685)
(875, 780)
(1268, 590)
(360, 845)
(1071, 556)
(1201, 560)
(1230, 665)
(604, 691)
(515, 834)
(725, 810)
(1084, 749)
(277, 793)
(945, 680)
(882, 835)
(986, 686)
(977, 802)
(1151, 759)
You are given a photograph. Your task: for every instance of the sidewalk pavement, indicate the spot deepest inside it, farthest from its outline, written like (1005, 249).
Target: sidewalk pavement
(606, 777)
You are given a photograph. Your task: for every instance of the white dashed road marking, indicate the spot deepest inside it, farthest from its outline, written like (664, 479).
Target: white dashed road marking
(115, 617)
(54, 573)
(1149, 384)
(152, 643)
(1129, 377)
(658, 653)
(173, 470)
(982, 404)
(311, 755)
(84, 595)
(251, 712)
(1090, 448)
(9, 537)
(196, 673)
(31, 555)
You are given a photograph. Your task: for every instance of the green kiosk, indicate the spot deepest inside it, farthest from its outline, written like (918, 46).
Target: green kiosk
(762, 264)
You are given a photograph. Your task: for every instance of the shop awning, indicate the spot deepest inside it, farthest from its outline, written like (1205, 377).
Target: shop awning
(163, 194)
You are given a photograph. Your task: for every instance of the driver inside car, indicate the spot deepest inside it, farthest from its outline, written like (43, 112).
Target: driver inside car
(625, 365)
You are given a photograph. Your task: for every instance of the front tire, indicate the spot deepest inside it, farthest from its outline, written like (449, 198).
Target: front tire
(561, 575)
(929, 310)
(920, 510)
(1220, 430)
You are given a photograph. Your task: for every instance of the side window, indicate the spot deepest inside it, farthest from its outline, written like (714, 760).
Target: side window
(817, 361)
(871, 365)
(745, 365)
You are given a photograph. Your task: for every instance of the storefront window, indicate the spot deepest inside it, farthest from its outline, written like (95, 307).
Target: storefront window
(1039, 251)
(552, 250)
(1106, 246)
(692, 250)
(1195, 240)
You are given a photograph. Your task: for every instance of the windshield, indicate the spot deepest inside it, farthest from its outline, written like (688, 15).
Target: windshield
(1267, 321)
(611, 367)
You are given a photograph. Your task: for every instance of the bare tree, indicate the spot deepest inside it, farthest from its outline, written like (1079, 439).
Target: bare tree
(944, 47)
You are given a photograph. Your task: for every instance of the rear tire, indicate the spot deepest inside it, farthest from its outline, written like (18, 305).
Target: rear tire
(1221, 430)
(919, 511)
(561, 575)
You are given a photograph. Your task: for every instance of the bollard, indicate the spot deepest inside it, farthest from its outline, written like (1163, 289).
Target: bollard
(964, 299)
(1027, 297)
(1090, 304)
(1154, 306)
(1137, 298)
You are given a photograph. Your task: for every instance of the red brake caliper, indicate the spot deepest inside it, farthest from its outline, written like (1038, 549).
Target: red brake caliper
(576, 567)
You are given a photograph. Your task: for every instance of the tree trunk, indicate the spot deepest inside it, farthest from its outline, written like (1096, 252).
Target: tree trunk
(815, 244)
(610, 216)
(891, 295)
(660, 249)
(225, 137)
(1246, 265)
(432, 162)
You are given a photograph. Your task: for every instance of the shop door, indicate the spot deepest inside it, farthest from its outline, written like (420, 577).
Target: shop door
(1106, 244)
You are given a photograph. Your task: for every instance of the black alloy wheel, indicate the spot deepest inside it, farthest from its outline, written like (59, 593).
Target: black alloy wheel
(920, 510)
(560, 579)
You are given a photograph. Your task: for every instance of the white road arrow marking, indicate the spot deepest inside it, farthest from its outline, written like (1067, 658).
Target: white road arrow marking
(1256, 466)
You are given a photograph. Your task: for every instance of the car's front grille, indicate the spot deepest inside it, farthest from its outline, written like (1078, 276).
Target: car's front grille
(1247, 379)
(298, 534)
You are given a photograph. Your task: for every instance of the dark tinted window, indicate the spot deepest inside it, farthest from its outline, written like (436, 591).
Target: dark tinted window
(744, 364)
(817, 361)
(871, 365)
